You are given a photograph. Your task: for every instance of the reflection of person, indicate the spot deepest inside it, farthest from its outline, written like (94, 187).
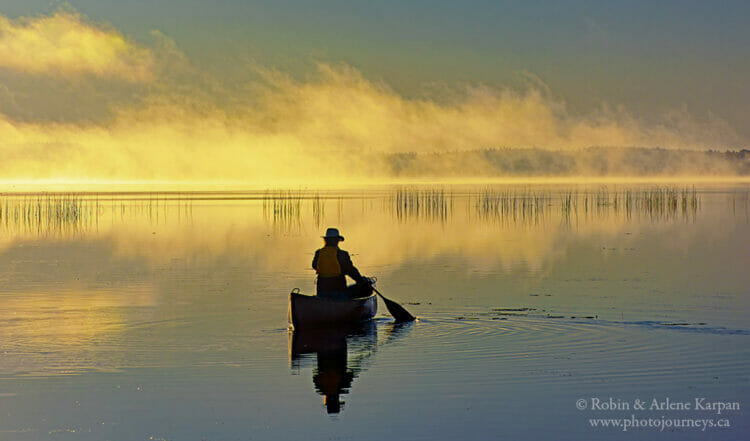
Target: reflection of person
(332, 377)
(340, 353)
(332, 265)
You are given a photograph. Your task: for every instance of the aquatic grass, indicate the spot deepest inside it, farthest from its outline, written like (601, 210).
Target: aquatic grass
(69, 214)
(428, 204)
(283, 208)
(72, 213)
(318, 206)
(511, 205)
(741, 203)
(523, 205)
(282, 204)
(47, 214)
(657, 203)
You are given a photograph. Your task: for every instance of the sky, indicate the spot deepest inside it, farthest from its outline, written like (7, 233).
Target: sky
(148, 90)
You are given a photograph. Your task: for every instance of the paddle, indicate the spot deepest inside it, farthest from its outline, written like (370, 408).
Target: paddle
(397, 311)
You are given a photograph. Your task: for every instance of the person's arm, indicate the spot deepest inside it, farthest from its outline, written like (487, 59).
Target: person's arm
(315, 260)
(348, 268)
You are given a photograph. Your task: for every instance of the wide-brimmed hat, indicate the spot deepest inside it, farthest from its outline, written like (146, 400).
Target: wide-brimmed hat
(333, 233)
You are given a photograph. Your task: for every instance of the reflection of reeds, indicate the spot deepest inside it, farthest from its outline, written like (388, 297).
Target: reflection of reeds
(318, 210)
(72, 213)
(431, 204)
(68, 213)
(511, 205)
(530, 206)
(45, 214)
(656, 203)
(282, 209)
(282, 204)
(741, 202)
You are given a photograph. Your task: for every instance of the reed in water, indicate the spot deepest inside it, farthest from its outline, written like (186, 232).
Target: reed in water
(68, 213)
(511, 205)
(431, 204)
(47, 214)
(529, 205)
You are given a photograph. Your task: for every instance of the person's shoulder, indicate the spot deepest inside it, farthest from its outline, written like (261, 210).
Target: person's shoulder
(343, 252)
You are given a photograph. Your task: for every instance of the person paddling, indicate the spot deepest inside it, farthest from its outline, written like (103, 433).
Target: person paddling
(332, 264)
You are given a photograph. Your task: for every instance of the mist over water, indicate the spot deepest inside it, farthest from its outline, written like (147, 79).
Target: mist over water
(132, 111)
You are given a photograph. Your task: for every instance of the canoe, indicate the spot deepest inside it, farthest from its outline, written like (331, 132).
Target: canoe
(313, 311)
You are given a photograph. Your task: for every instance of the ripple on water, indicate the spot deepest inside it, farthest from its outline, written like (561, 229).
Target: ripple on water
(522, 348)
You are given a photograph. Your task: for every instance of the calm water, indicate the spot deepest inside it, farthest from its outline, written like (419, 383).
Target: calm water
(148, 316)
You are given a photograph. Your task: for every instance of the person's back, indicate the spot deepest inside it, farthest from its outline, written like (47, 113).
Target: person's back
(332, 265)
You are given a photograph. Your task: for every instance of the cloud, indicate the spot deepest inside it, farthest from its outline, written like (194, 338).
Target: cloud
(66, 43)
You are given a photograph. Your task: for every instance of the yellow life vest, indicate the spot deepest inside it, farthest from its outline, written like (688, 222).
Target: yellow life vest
(328, 262)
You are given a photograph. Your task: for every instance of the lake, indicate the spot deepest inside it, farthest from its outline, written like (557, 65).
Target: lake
(544, 312)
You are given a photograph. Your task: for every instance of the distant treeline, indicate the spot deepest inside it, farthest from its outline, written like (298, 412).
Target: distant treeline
(593, 161)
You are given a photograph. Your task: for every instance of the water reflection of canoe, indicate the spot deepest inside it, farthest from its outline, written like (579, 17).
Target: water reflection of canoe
(337, 354)
(313, 311)
(307, 342)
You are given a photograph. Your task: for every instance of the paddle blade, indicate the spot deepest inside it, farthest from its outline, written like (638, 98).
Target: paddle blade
(397, 311)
